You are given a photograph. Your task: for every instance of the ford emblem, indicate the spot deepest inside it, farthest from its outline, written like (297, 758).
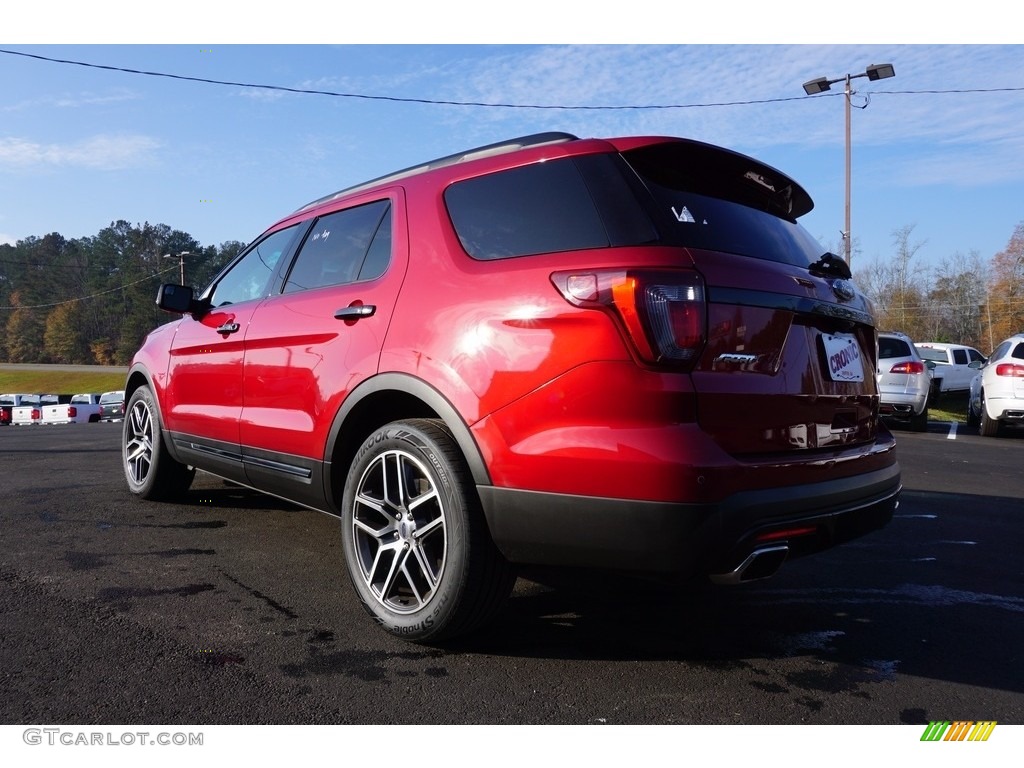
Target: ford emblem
(844, 289)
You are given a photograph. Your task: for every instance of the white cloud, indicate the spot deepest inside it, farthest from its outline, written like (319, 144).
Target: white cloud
(708, 74)
(6, 239)
(85, 99)
(101, 152)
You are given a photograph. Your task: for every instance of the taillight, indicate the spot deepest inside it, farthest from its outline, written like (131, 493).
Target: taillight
(72, 412)
(913, 366)
(1009, 369)
(663, 311)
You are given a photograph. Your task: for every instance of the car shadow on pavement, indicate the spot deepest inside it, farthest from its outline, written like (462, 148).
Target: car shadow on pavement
(829, 639)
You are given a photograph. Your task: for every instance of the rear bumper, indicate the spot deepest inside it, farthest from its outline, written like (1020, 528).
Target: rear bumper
(900, 404)
(1008, 409)
(687, 539)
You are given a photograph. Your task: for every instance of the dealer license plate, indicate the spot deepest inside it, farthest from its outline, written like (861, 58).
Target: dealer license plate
(843, 357)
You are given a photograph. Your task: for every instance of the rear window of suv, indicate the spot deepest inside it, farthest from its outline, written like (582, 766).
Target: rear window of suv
(893, 348)
(666, 194)
(720, 202)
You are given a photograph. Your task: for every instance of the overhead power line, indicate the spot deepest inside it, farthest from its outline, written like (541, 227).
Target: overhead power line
(453, 103)
(95, 295)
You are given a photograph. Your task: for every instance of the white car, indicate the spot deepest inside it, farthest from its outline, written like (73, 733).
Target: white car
(997, 391)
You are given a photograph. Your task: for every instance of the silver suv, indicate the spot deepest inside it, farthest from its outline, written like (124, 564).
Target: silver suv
(904, 381)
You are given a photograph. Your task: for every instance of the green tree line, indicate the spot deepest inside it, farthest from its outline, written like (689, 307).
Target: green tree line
(91, 300)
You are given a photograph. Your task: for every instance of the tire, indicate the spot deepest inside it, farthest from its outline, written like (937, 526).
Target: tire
(416, 544)
(919, 421)
(989, 427)
(973, 420)
(152, 473)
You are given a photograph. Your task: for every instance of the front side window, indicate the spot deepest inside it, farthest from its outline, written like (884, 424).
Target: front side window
(342, 247)
(249, 278)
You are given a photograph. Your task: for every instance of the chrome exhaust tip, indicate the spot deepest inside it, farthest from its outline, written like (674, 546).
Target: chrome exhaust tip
(759, 564)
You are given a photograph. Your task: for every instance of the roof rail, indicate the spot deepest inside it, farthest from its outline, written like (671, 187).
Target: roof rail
(509, 145)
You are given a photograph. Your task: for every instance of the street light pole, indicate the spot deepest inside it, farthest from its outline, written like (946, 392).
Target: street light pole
(181, 262)
(821, 84)
(847, 252)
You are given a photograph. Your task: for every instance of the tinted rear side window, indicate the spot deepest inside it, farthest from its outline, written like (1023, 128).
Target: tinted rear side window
(549, 207)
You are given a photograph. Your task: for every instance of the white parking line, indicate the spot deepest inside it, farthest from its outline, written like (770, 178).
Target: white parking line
(952, 430)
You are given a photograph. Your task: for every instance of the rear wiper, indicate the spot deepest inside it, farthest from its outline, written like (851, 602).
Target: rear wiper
(830, 265)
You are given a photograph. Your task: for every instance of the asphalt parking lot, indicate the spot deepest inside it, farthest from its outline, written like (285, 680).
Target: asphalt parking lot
(234, 608)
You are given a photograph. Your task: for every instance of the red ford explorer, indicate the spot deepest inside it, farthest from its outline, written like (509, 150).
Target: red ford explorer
(618, 353)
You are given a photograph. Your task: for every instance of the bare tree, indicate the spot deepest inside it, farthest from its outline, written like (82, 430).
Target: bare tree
(956, 300)
(898, 286)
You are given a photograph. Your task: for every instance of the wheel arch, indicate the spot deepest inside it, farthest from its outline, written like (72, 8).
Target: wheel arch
(138, 376)
(381, 400)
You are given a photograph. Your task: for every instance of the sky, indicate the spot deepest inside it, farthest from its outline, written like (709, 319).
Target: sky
(939, 148)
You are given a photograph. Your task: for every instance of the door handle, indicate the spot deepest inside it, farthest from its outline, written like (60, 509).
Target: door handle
(355, 312)
(228, 328)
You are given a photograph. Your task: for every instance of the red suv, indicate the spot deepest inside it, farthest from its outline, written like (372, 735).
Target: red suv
(623, 353)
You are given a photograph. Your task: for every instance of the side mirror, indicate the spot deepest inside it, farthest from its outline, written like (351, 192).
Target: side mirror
(178, 299)
(976, 364)
(930, 364)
